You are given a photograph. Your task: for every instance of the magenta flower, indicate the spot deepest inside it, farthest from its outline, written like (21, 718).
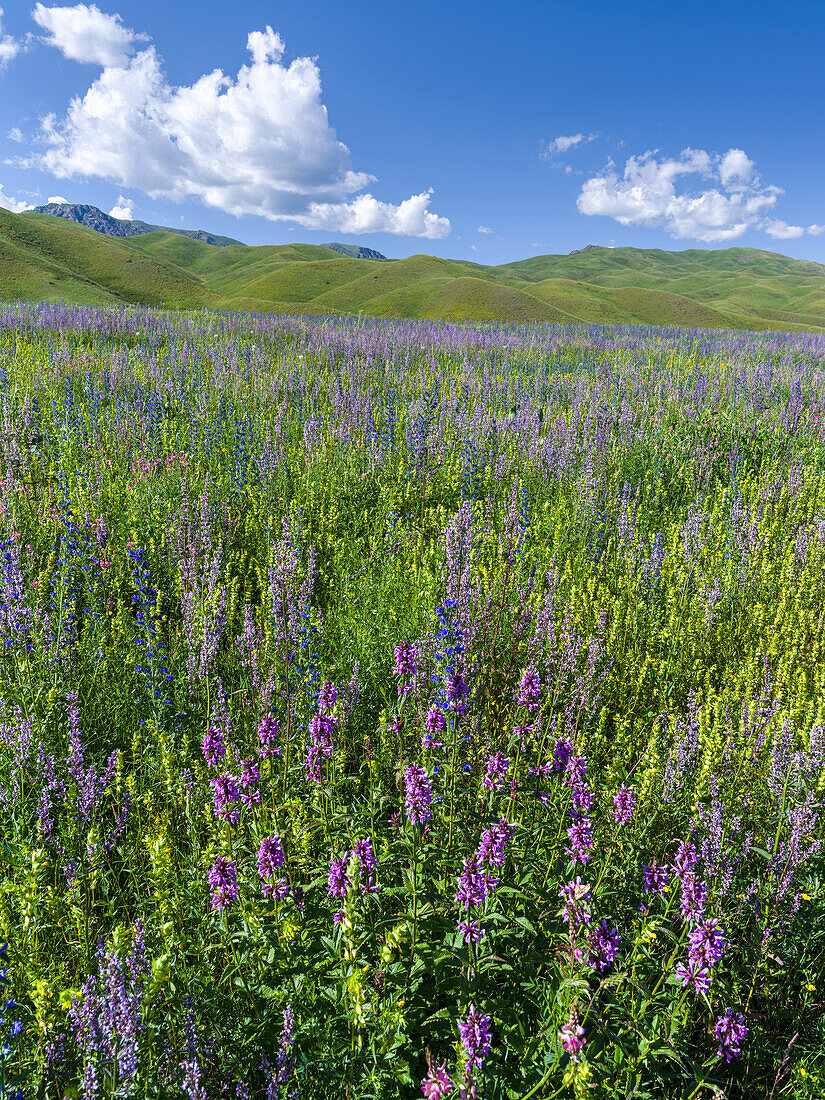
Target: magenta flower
(493, 841)
(475, 1037)
(576, 897)
(268, 733)
(655, 877)
(471, 931)
(437, 1084)
(270, 860)
(337, 880)
(580, 835)
(707, 943)
(214, 747)
(225, 795)
(223, 881)
(730, 1031)
(694, 973)
(435, 722)
(529, 691)
(418, 795)
(327, 696)
(472, 885)
(367, 863)
(572, 1037)
(497, 766)
(250, 777)
(405, 666)
(604, 946)
(624, 803)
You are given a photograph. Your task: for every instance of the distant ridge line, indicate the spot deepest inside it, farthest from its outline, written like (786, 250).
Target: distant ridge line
(58, 258)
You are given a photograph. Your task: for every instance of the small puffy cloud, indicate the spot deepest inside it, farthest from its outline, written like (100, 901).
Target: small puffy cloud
(647, 194)
(16, 134)
(365, 214)
(9, 47)
(485, 229)
(780, 230)
(56, 198)
(122, 209)
(736, 169)
(258, 143)
(17, 206)
(816, 230)
(564, 143)
(84, 33)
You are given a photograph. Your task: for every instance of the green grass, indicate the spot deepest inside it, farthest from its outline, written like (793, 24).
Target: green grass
(45, 258)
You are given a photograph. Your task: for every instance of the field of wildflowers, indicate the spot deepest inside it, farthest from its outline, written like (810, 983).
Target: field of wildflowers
(390, 708)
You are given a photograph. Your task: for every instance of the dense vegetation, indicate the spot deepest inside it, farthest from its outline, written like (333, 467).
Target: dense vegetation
(388, 706)
(50, 258)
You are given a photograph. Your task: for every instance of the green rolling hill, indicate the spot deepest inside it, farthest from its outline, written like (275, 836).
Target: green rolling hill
(48, 258)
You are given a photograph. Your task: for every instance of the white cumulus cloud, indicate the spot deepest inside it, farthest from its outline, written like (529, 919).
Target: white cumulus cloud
(17, 206)
(9, 47)
(736, 169)
(816, 230)
(564, 143)
(123, 209)
(56, 198)
(258, 143)
(780, 230)
(485, 229)
(733, 200)
(85, 33)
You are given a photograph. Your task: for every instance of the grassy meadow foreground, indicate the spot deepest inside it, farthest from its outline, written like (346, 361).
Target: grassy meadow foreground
(389, 707)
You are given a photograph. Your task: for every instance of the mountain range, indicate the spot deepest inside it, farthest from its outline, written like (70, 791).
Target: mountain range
(95, 219)
(43, 257)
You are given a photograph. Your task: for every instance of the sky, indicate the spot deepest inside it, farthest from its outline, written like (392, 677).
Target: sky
(481, 131)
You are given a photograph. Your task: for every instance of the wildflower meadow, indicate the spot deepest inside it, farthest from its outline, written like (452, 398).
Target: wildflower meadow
(394, 708)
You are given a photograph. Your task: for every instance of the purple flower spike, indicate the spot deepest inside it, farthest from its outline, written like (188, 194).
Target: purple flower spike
(337, 880)
(572, 1037)
(214, 747)
(418, 795)
(655, 878)
(604, 946)
(497, 766)
(327, 696)
(730, 1031)
(270, 860)
(437, 1084)
(475, 1037)
(624, 803)
(268, 733)
(693, 973)
(225, 795)
(223, 881)
(529, 692)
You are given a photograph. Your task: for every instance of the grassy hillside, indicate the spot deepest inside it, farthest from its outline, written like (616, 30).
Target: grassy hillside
(44, 258)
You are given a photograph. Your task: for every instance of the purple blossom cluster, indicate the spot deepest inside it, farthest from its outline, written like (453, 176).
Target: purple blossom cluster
(730, 1032)
(418, 795)
(270, 860)
(340, 868)
(223, 882)
(476, 883)
(322, 728)
(580, 833)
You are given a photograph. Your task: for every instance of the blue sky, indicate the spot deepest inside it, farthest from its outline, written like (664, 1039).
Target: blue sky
(483, 131)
